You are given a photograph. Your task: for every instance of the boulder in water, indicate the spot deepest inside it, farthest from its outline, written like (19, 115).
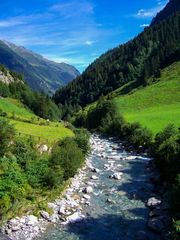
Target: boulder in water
(116, 176)
(95, 170)
(93, 177)
(153, 202)
(74, 218)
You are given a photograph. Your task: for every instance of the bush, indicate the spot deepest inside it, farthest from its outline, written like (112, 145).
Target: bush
(141, 137)
(97, 116)
(166, 151)
(13, 184)
(24, 152)
(40, 174)
(82, 139)
(7, 134)
(68, 156)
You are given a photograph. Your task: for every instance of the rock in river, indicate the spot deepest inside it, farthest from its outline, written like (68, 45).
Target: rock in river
(93, 177)
(153, 202)
(116, 176)
(88, 189)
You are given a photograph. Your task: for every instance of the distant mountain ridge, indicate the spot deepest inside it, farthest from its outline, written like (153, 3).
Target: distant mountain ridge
(41, 74)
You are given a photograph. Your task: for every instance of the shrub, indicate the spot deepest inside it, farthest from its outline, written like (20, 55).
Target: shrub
(13, 184)
(82, 139)
(141, 137)
(166, 151)
(67, 155)
(7, 134)
(24, 152)
(98, 115)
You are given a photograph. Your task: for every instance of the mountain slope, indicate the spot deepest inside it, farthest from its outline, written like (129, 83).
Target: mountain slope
(172, 7)
(139, 59)
(156, 105)
(40, 73)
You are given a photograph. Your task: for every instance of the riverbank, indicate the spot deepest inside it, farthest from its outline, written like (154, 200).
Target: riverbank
(113, 190)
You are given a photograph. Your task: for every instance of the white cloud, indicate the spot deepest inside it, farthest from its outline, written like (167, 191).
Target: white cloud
(149, 13)
(144, 25)
(89, 43)
(9, 23)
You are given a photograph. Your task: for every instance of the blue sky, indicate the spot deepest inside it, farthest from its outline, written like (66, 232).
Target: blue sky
(74, 31)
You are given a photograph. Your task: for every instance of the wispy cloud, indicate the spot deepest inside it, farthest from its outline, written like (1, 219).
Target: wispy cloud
(149, 13)
(9, 23)
(144, 25)
(89, 43)
(73, 8)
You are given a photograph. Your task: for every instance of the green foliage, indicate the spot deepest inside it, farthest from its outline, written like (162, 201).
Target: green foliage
(167, 152)
(98, 116)
(68, 156)
(82, 139)
(141, 137)
(7, 134)
(13, 184)
(25, 174)
(24, 152)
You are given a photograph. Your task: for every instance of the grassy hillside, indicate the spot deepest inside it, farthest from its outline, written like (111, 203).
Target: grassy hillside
(154, 106)
(27, 123)
(12, 106)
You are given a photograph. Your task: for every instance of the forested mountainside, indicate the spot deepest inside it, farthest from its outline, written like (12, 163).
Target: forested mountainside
(40, 73)
(155, 48)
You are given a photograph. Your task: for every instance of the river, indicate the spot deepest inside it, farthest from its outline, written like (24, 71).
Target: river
(116, 209)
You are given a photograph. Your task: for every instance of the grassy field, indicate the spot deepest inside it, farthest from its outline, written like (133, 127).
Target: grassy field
(37, 128)
(13, 106)
(42, 133)
(156, 105)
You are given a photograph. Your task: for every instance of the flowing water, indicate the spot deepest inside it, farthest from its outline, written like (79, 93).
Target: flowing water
(117, 208)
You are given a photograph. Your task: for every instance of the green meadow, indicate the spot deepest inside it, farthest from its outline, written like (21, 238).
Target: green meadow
(156, 105)
(28, 124)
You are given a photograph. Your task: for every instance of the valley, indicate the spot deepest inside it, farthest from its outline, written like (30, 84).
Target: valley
(95, 155)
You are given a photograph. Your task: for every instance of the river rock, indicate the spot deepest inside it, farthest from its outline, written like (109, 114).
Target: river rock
(31, 220)
(45, 215)
(131, 157)
(14, 224)
(110, 201)
(93, 177)
(116, 176)
(88, 189)
(153, 202)
(95, 170)
(87, 197)
(54, 206)
(74, 218)
(54, 218)
(43, 148)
